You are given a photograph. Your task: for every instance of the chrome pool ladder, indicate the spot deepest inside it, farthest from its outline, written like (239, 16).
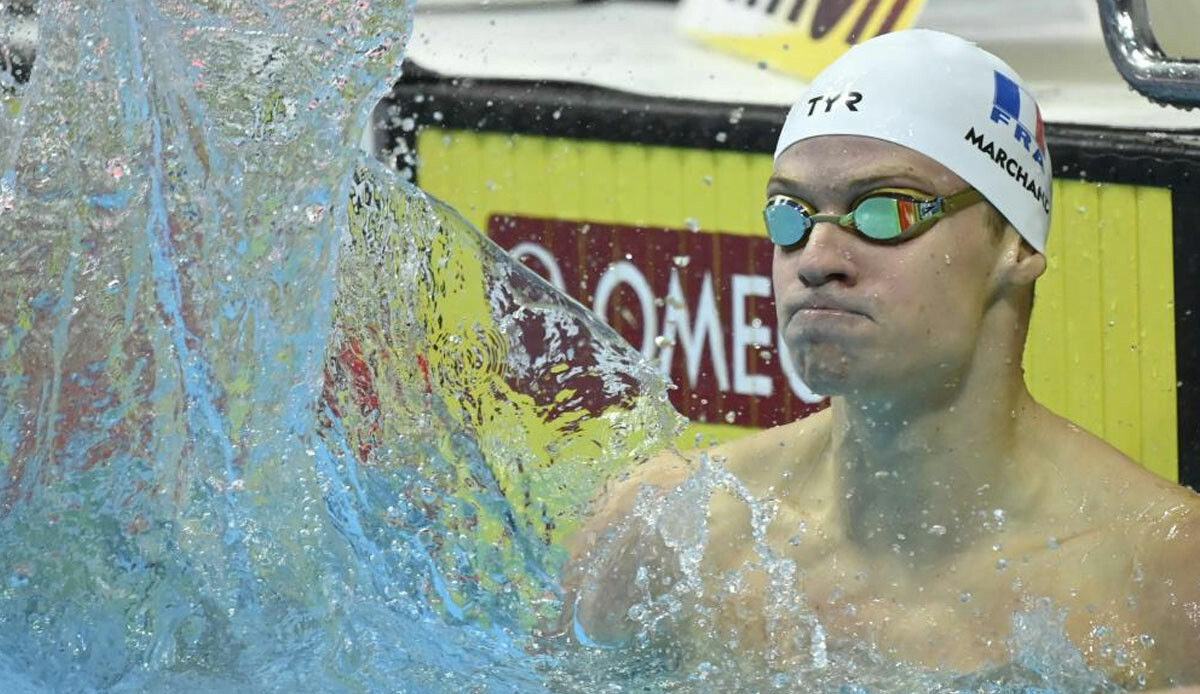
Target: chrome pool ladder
(1140, 60)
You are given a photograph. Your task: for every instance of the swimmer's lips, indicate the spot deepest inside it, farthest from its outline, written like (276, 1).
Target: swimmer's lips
(825, 308)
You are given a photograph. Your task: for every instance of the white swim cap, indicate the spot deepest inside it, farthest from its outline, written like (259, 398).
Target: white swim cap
(947, 99)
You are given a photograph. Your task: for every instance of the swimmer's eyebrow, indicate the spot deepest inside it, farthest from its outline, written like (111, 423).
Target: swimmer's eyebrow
(777, 185)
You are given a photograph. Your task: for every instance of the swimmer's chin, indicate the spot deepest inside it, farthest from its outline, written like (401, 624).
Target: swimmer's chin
(826, 369)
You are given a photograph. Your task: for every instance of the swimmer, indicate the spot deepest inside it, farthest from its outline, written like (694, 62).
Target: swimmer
(934, 498)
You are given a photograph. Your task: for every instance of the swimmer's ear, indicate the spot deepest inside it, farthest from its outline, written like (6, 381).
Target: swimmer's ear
(1018, 264)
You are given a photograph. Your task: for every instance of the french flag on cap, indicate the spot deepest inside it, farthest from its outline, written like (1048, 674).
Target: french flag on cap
(1012, 104)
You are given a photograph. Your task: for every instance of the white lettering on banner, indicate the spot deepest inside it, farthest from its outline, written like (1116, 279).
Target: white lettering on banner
(678, 329)
(538, 252)
(625, 272)
(746, 335)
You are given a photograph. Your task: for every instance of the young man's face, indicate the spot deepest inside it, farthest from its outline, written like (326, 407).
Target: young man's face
(862, 317)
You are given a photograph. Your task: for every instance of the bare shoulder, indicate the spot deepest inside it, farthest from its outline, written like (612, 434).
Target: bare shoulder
(774, 456)
(615, 502)
(1099, 475)
(620, 557)
(759, 458)
(1168, 578)
(1151, 522)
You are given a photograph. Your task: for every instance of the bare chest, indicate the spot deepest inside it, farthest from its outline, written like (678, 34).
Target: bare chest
(962, 615)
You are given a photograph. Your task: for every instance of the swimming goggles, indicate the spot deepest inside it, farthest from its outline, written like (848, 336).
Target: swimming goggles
(888, 216)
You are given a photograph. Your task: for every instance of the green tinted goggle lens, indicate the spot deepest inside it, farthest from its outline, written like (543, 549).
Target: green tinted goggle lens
(878, 217)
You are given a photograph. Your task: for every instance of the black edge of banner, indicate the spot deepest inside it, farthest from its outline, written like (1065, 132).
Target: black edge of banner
(1185, 203)
(585, 112)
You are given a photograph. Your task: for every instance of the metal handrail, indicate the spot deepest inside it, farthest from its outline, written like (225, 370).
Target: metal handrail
(1135, 52)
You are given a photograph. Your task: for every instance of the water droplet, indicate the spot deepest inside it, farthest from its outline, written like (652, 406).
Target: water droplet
(662, 341)
(938, 530)
(722, 136)
(948, 261)
(730, 416)
(965, 596)
(115, 167)
(557, 114)
(692, 224)
(1001, 564)
(817, 648)
(681, 260)
(1052, 542)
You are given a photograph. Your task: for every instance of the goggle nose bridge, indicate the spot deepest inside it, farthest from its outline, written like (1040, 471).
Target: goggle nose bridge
(842, 220)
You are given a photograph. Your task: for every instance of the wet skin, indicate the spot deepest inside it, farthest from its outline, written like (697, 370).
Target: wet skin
(930, 432)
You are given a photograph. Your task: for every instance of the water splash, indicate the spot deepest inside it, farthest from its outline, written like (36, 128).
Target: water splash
(270, 418)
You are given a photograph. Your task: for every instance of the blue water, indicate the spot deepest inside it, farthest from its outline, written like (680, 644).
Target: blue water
(202, 492)
(274, 420)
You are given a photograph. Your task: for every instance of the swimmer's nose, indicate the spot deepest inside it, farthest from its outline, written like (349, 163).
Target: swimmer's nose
(826, 257)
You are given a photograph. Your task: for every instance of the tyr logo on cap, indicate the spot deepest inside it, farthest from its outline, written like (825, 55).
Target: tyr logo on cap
(850, 102)
(1012, 103)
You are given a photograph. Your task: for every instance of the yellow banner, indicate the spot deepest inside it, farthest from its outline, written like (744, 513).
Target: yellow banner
(799, 37)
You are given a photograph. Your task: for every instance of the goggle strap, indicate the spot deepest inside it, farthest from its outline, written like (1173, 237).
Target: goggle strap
(961, 200)
(930, 211)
